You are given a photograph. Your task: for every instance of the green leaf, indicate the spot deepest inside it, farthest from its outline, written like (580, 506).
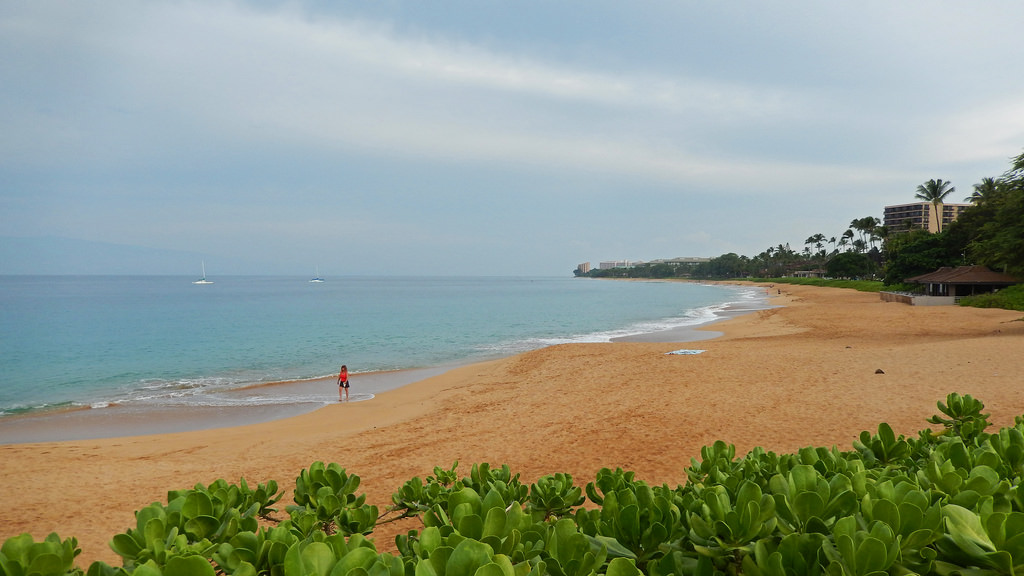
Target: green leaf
(245, 569)
(430, 538)
(424, 567)
(494, 523)
(886, 435)
(45, 564)
(144, 516)
(293, 564)
(622, 567)
(125, 546)
(500, 566)
(200, 527)
(188, 566)
(490, 569)
(466, 496)
(439, 559)
(149, 569)
(471, 526)
(871, 556)
(493, 500)
(613, 547)
(361, 557)
(468, 556)
(318, 558)
(16, 549)
(629, 522)
(197, 504)
(807, 505)
(965, 529)
(803, 478)
(154, 530)
(886, 511)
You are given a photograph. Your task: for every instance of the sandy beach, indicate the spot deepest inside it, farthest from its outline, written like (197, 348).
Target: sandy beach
(798, 375)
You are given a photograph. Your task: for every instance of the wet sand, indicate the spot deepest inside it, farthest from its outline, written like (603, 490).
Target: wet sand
(799, 375)
(281, 400)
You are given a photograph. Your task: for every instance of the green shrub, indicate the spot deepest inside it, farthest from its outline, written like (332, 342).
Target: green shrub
(325, 499)
(859, 285)
(943, 503)
(1010, 298)
(50, 557)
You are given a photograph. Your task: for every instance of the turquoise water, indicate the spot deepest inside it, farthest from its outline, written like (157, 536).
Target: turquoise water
(70, 341)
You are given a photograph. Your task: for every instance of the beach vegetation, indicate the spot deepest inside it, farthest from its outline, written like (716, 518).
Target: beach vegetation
(940, 503)
(962, 416)
(325, 499)
(859, 285)
(849, 265)
(1009, 298)
(554, 496)
(990, 233)
(23, 555)
(919, 252)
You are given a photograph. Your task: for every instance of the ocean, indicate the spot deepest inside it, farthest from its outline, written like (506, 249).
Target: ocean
(71, 342)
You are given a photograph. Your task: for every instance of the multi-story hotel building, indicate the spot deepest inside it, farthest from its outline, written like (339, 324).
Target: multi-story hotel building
(920, 215)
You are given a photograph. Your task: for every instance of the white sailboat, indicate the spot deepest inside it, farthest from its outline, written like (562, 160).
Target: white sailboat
(317, 278)
(203, 280)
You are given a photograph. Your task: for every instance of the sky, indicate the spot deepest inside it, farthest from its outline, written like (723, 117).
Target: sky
(482, 137)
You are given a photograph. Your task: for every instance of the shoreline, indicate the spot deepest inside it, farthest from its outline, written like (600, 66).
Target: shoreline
(703, 331)
(283, 400)
(278, 400)
(803, 374)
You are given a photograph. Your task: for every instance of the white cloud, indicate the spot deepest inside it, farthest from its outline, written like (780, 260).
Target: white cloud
(217, 106)
(221, 73)
(992, 130)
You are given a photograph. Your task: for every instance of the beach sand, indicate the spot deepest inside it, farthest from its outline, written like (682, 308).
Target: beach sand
(798, 375)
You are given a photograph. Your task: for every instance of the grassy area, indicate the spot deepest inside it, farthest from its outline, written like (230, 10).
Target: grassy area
(1011, 298)
(861, 285)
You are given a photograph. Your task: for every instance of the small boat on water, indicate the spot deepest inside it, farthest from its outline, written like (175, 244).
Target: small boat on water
(317, 278)
(203, 280)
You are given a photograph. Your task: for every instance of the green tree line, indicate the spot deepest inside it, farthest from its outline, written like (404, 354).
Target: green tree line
(990, 232)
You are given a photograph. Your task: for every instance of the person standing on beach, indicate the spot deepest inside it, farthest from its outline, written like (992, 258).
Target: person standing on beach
(343, 383)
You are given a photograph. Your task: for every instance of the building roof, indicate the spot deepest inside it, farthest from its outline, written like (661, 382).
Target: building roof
(923, 203)
(964, 275)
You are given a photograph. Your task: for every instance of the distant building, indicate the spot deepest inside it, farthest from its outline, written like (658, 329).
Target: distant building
(920, 215)
(808, 274)
(583, 268)
(610, 264)
(683, 261)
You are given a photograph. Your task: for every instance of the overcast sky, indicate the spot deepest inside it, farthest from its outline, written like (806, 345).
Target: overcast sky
(488, 137)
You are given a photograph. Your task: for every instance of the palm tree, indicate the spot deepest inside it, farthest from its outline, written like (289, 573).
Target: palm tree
(984, 189)
(845, 239)
(865, 226)
(819, 241)
(878, 234)
(935, 191)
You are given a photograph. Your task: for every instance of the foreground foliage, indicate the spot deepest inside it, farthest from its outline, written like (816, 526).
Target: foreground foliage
(946, 502)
